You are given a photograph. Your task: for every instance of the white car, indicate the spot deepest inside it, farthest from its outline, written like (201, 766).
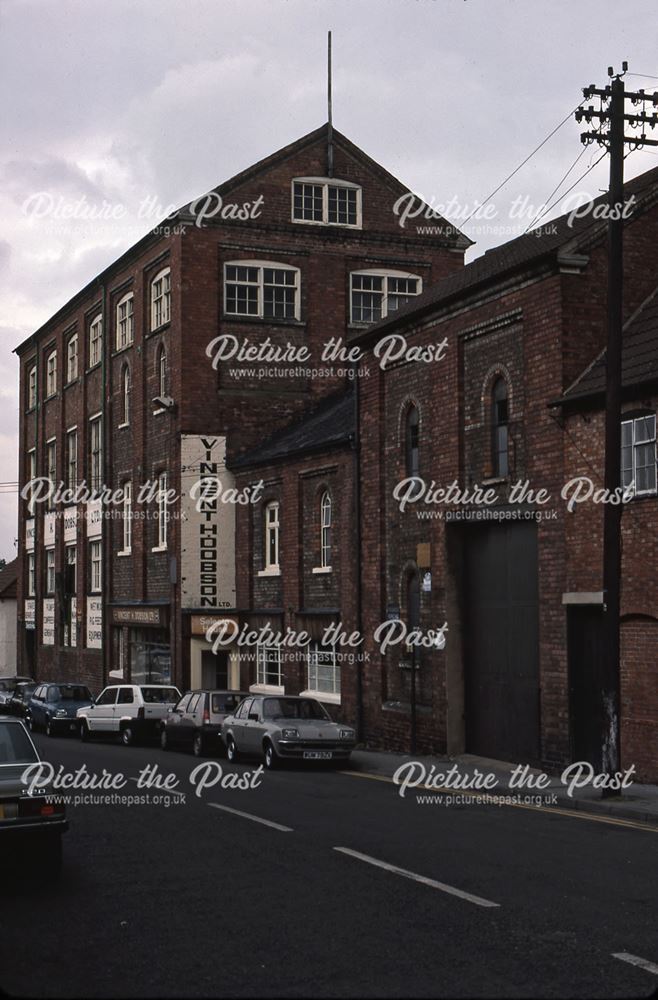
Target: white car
(134, 711)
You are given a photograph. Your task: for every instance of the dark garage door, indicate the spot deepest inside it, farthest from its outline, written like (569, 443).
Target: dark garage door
(501, 665)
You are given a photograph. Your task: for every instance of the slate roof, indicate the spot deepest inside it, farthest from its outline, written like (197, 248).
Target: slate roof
(8, 578)
(550, 240)
(639, 363)
(330, 425)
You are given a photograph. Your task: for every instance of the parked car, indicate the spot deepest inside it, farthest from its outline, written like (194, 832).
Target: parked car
(20, 698)
(283, 728)
(33, 822)
(8, 686)
(196, 721)
(133, 711)
(53, 707)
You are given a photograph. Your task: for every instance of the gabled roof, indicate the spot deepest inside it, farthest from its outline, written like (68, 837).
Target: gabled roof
(332, 424)
(552, 240)
(8, 577)
(639, 364)
(183, 214)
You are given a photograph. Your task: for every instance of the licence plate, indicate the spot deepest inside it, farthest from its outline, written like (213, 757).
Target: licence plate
(317, 755)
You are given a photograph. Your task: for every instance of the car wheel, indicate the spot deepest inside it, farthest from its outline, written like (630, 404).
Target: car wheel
(231, 751)
(198, 746)
(127, 736)
(271, 759)
(85, 732)
(164, 740)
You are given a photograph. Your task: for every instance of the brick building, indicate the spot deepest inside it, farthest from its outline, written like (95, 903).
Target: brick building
(136, 386)
(509, 402)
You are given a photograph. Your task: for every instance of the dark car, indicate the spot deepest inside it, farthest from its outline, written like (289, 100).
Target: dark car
(53, 707)
(33, 822)
(196, 721)
(8, 686)
(20, 698)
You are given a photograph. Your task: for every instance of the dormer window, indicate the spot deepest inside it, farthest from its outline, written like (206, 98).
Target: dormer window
(326, 201)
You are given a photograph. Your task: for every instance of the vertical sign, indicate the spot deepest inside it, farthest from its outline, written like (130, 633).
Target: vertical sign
(94, 622)
(207, 524)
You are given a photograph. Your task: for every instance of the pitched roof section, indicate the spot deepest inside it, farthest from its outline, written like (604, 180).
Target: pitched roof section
(8, 577)
(639, 364)
(330, 425)
(555, 238)
(460, 239)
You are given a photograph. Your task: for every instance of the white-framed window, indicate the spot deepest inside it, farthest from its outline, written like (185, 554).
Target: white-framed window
(51, 470)
(32, 464)
(32, 387)
(31, 575)
(96, 566)
(163, 513)
(323, 669)
(96, 452)
(161, 299)
(72, 560)
(376, 294)
(638, 454)
(162, 371)
(127, 517)
(261, 289)
(325, 531)
(50, 571)
(72, 358)
(271, 540)
(72, 459)
(125, 321)
(51, 374)
(268, 665)
(326, 201)
(125, 396)
(95, 340)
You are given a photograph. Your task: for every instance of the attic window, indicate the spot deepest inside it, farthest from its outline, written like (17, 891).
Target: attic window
(326, 202)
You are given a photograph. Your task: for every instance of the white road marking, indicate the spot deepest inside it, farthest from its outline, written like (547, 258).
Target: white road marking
(160, 791)
(441, 886)
(255, 819)
(641, 963)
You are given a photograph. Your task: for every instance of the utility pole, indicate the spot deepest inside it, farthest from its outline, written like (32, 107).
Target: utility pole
(612, 112)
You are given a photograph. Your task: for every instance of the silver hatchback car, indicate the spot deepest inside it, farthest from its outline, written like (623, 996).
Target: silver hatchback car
(281, 727)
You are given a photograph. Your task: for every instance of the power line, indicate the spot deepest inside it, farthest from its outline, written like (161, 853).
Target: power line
(579, 179)
(523, 163)
(557, 187)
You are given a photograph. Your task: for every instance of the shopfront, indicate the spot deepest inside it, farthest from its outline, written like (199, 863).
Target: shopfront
(141, 646)
(211, 666)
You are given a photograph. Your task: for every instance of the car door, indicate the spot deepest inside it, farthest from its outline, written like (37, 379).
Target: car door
(101, 715)
(124, 708)
(241, 725)
(174, 720)
(255, 727)
(37, 707)
(187, 725)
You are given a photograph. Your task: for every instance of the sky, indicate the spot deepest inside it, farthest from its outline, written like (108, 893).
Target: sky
(133, 106)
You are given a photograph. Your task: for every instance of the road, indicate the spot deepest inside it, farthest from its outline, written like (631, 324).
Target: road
(198, 900)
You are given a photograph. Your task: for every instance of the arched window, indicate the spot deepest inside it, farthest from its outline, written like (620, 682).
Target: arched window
(499, 428)
(161, 299)
(325, 531)
(125, 401)
(125, 321)
(411, 435)
(162, 372)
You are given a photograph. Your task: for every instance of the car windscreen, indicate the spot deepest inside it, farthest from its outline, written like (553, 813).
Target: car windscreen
(291, 708)
(225, 703)
(69, 692)
(15, 745)
(160, 696)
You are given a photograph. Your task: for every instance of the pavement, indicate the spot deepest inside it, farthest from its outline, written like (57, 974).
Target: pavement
(638, 802)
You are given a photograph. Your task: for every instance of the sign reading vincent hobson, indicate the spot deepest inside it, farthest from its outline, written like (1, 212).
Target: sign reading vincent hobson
(207, 524)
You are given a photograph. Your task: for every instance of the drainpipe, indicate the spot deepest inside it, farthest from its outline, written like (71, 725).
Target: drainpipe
(356, 450)
(105, 548)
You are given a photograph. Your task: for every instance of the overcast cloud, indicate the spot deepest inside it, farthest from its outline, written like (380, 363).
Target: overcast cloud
(123, 100)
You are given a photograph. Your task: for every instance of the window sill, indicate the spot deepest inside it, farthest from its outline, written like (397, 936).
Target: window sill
(124, 347)
(266, 689)
(159, 548)
(330, 697)
(121, 426)
(327, 225)
(159, 329)
(126, 552)
(270, 571)
(317, 570)
(71, 382)
(91, 368)
(269, 320)
(492, 480)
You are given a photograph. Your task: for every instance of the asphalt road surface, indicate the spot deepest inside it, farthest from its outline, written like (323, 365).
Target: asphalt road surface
(293, 888)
